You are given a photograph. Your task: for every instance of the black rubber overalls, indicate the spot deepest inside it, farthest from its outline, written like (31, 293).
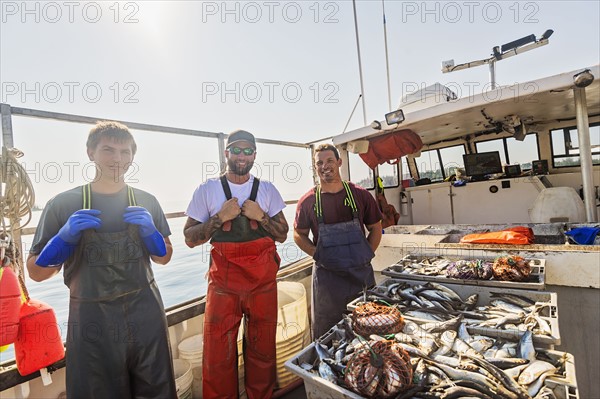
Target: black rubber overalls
(342, 266)
(117, 339)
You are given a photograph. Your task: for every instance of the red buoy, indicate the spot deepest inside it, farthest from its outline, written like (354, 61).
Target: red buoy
(38, 343)
(10, 303)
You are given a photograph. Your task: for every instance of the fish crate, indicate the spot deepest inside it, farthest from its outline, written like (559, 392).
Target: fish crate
(315, 386)
(548, 313)
(562, 391)
(563, 387)
(569, 378)
(536, 280)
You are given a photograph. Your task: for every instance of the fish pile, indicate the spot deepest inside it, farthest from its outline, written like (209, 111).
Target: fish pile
(445, 360)
(449, 362)
(504, 268)
(437, 303)
(476, 269)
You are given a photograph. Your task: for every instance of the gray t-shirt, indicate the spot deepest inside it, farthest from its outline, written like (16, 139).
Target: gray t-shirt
(112, 206)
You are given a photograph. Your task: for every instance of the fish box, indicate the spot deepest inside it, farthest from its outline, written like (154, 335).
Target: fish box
(562, 391)
(564, 387)
(315, 386)
(548, 313)
(569, 378)
(401, 269)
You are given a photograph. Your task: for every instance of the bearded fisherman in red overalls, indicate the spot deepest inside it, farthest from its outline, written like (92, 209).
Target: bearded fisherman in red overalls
(243, 218)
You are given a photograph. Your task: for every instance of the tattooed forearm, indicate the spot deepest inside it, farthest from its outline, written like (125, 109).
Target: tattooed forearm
(197, 233)
(276, 226)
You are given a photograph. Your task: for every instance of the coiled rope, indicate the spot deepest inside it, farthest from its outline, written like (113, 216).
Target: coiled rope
(17, 199)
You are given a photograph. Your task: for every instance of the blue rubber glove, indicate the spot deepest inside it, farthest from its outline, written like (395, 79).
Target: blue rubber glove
(63, 244)
(154, 241)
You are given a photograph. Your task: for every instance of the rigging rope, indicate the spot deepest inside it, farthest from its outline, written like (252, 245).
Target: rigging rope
(17, 198)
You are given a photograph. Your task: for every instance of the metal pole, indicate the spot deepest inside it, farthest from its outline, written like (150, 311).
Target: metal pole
(362, 89)
(493, 74)
(352, 113)
(585, 154)
(387, 61)
(221, 145)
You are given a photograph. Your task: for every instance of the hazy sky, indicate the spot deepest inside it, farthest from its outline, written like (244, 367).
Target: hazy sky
(283, 70)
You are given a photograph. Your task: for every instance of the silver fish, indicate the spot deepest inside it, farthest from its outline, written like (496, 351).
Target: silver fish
(461, 347)
(526, 349)
(545, 393)
(326, 372)
(509, 307)
(535, 386)
(514, 372)
(534, 370)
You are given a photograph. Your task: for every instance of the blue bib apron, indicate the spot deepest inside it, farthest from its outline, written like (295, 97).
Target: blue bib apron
(342, 266)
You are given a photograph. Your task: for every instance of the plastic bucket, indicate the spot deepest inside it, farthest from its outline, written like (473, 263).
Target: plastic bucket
(191, 348)
(292, 316)
(292, 327)
(183, 378)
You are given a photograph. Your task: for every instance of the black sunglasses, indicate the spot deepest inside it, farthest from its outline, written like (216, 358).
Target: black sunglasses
(238, 151)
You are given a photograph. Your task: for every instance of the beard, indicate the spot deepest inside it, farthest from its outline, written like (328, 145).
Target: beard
(238, 170)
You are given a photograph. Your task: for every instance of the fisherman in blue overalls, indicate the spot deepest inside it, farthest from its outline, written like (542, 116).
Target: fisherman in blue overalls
(335, 212)
(105, 233)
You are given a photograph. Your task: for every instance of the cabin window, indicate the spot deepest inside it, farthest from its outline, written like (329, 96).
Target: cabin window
(565, 146)
(513, 151)
(452, 159)
(492, 145)
(523, 152)
(405, 169)
(360, 173)
(439, 164)
(389, 174)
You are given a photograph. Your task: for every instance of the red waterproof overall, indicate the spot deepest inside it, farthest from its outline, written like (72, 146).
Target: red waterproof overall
(244, 264)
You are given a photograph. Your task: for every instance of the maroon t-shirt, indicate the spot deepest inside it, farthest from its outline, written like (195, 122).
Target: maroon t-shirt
(336, 209)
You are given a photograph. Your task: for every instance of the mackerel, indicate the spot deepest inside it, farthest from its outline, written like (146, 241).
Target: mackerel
(512, 386)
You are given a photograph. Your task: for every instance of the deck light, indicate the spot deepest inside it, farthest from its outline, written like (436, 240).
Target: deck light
(394, 117)
(546, 35)
(518, 43)
(505, 51)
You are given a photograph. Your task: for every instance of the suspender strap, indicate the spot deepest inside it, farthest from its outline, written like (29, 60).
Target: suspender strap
(350, 198)
(349, 201)
(254, 191)
(226, 188)
(131, 196)
(87, 196)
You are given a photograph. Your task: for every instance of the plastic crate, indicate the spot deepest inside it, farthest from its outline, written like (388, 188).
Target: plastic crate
(315, 386)
(319, 388)
(570, 378)
(550, 313)
(536, 279)
(562, 391)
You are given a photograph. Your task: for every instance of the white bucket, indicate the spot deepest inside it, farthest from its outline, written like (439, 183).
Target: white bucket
(191, 350)
(292, 327)
(183, 378)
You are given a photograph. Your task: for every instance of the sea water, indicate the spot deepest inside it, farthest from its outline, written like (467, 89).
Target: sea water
(182, 279)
